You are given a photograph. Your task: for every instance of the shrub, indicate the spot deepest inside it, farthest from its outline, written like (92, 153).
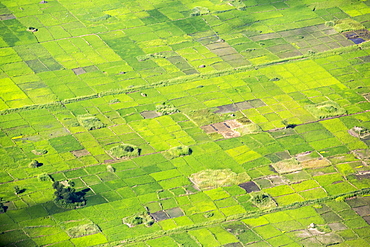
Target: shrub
(138, 219)
(66, 196)
(209, 214)
(243, 120)
(83, 230)
(90, 122)
(110, 168)
(166, 109)
(209, 179)
(346, 25)
(114, 101)
(196, 11)
(44, 177)
(17, 190)
(39, 151)
(360, 132)
(124, 150)
(262, 200)
(178, 151)
(326, 109)
(34, 164)
(237, 4)
(3, 208)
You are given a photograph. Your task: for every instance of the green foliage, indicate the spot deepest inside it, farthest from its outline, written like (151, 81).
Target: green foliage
(249, 128)
(262, 200)
(101, 18)
(326, 109)
(345, 25)
(32, 29)
(166, 109)
(17, 190)
(142, 58)
(196, 11)
(204, 117)
(90, 122)
(244, 120)
(65, 144)
(209, 214)
(39, 151)
(44, 177)
(138, 219)
(114, 101)
(237, 4)
(209, 179)
(2, 206)
(83, 230)
(66, 196)
(34, 164)
(110, 168)
(360, 132)
(177, 152)
(124, 150)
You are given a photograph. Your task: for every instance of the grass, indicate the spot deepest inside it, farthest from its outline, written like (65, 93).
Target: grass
(83, 230)
(345, 25)
(178, 152)
(287, 166)
(143, 218)
(326, 109)
(124, 150)
(262, 200)
(208, 179)
(90, 122)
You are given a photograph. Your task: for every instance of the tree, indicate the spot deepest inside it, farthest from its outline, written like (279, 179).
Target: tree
(34, 164)
(17, 190)
(2, 206)
(65, 194)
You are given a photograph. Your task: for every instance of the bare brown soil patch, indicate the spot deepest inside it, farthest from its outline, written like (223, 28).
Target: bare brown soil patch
(80, 153)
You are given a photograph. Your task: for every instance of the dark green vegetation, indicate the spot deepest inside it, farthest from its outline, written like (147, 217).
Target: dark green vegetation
(66, 196)
(269, 98)
(177, 152)
(90, 122)
(124, 150)
(138, 219)
(83, 230)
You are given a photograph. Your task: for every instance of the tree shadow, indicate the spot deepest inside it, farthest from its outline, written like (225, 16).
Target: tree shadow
(81, 194)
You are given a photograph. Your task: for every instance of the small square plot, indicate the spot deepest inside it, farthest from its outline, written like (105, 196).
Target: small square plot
(174, 212)
(160, 215)
(249, 186)
(150, 114)
(79, 71)
(362, 211)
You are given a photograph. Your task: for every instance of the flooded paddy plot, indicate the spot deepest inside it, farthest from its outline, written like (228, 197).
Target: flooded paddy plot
(249, 186)
(358, 36)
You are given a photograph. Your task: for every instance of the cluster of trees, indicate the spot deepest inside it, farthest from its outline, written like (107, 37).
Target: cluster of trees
(66, 195)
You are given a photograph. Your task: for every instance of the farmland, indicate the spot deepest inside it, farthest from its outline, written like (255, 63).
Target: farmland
(185, 123)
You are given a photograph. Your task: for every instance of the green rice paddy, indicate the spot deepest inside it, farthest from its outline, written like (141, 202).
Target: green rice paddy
(226, 123)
